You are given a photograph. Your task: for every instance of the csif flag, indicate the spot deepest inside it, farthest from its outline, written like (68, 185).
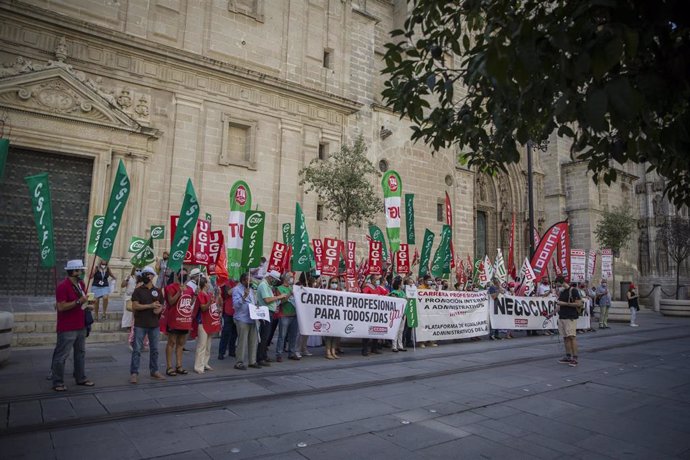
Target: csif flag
(409, 218)
(145, 254)
(392, 193)
(253, 241)
(95, 233)
(39, 190)
(441, 262)
(301, 253)
(189, 214)
(240, 202)
(113, 215)
(425, 257)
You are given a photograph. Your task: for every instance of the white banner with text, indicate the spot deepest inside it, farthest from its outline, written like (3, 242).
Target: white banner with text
(447, 315)
(530, 313)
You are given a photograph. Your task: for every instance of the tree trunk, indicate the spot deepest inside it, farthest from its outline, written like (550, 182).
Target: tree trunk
(613, 277)
(347, 226)
(677, 279)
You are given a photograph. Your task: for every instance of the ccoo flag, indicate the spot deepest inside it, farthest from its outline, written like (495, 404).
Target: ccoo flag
(186, 224)
(43, 216)
(392, 193)
(240, 203)
(113, 215)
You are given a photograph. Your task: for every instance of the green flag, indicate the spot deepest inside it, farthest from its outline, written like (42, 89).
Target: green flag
(475, 272)
(113, 215)
(39, 191)
(145, 255)
(4, 151)
(411, 313)
(301, 249)
(253, 243)
(392, 192)
(441, 263)
(287, 230)
(425, 257)
(240, 203)
(377, 235)
(157, 232)
(409, 217)
(95, 233)
(136, 244)
(189, 214)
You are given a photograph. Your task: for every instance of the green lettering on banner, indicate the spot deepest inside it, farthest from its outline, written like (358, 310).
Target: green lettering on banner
(409, 217)
(189, 214)
(39, 191)
(426, 252)
(157, 232)
(287, 230)
(252, 246)
(95, 233)
(113, 215)
(301, 249)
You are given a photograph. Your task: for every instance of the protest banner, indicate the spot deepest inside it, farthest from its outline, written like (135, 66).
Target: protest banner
(409, 218)
(375, 261)
(113, 215)
(201, 242)
(578, 265)
(606, 264)
(277, 260)
(95, 233)
(259, 313)
(331, 257)
(402, 259)
(317, 246)
(240, 202)
(446, 315)
(184, 229)
(253, 243)
(529, 313)
(42, 207)
(346, 314)
(392, 193)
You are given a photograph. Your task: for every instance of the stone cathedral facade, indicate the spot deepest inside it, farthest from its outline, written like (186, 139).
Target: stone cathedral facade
(220, 90)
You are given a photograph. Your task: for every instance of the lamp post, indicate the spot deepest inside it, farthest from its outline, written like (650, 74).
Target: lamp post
(543, 145)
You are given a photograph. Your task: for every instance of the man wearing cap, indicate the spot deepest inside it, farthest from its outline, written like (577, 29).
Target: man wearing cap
(147, 306)
(266, 298)
(71, 326)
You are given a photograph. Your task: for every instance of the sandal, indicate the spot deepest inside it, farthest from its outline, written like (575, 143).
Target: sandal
(59, 388)
(170, 372)
(86, 383)
(181, 371)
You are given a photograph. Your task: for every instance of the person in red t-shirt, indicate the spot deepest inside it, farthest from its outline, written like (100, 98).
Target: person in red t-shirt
(228, 335)
(71, 300)
(179, 315)
(208, 314)
(373, 286)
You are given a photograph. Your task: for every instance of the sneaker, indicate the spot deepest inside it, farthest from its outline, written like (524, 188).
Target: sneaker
(279, 359)
(573, 363)
(634, 325)
(133, 378)
(307, 353)
(421, 345)
(298, 355)
(295, 357)
(565, 360)
(240, 366)
(434, 344)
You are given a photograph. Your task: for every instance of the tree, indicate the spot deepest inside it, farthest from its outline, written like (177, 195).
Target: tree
(675, 235)
(613, 231)
(343, 185)
(612, 75)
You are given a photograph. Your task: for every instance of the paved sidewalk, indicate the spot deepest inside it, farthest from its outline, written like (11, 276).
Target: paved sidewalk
(628, 398)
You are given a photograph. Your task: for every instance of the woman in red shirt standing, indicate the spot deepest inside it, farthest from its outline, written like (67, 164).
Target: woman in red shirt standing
(207, 305)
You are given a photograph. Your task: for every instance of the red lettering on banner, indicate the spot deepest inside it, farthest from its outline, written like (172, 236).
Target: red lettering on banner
(403, 259)
(277, 260)
(331, 257)
(235, 228)
(317, 245)
(394, 212)
(375, 262)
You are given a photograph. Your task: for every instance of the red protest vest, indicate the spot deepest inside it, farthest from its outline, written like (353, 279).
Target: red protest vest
(210, 318)
(181, 315)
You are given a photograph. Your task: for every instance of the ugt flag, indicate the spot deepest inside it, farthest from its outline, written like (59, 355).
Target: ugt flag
(392, 192)
(240, 203)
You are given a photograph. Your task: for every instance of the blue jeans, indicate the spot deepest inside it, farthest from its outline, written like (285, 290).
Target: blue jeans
(228, 337)
(287, 332)
(74, 340)
(154, 336)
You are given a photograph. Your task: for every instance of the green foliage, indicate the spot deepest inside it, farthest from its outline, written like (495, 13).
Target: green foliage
(614, 229)
(343, 184)
(610, 74)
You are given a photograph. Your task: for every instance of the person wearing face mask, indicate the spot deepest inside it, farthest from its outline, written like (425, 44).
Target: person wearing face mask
(397, 291)
(179, 314)
(228, 335)
(288, 329)
(373, 286)
(71, 326)
(266, 298)
(101, 276)
(129, 284)
(604, 299)
(147, 306)
(242, 298)
(329, 342)
(209, 317)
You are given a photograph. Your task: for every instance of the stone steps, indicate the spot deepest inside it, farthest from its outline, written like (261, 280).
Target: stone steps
(38, 329)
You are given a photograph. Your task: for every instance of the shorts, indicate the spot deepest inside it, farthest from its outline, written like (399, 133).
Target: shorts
(178, 331)
(567, 327)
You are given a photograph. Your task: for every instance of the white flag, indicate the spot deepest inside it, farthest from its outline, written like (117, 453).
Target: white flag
(500, 268)
(488, 269)
(527, 276)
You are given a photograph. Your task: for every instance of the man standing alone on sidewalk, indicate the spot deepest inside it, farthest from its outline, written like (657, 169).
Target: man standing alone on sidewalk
(147, 307)
(569, 305)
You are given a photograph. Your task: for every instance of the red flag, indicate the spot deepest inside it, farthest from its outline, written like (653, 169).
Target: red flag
(215, 248)
(546, 248)
(415, 258)
(221, 267)
(535, 237)
(317, 245)
(331, 257)
(511, 250)
(201, 242)
(350, 263)
(556, 268)
(449, 221)
(277, 260)
(563, 254)
(375, 257)
(402, 258)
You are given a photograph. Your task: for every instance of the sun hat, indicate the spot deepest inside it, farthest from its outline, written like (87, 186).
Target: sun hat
(274, 274)
(75, 264)
(148, 270)
(195, 272)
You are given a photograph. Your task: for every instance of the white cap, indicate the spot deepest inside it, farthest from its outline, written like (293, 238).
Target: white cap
(148, 270)
(195, 272)
(274, 274)
(75, 264)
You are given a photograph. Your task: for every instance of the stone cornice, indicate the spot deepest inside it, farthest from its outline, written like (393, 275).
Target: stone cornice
(625, 175)
(184, 60)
